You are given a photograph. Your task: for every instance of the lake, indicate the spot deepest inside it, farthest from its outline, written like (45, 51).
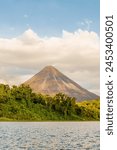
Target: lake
(49, 135)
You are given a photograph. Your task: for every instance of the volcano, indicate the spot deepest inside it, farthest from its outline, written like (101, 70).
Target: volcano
(51, 81)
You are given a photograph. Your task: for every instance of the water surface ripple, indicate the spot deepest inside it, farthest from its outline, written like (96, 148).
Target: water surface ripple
(49, 136)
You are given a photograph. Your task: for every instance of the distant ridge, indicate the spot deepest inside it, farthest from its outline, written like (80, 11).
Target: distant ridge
(51, 81)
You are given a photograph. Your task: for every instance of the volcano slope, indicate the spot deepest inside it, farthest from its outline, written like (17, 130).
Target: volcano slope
(51, 81)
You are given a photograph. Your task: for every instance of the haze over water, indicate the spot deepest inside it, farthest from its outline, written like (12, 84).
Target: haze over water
(49, 136)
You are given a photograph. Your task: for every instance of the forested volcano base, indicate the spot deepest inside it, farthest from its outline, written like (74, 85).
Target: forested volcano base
(19, 103)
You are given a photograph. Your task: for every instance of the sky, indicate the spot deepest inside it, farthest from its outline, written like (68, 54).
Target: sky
(62, 33)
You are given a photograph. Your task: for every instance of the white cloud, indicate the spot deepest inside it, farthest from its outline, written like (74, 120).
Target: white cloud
(12, 28)
(86, 24)
(26, 16)
(75, 54)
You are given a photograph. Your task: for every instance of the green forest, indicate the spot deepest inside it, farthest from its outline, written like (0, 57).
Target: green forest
(19, 103)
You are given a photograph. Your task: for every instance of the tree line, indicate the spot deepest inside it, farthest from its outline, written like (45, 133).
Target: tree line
(21, 103)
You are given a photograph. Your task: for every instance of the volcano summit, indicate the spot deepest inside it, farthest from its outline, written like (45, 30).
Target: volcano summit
(51, 81)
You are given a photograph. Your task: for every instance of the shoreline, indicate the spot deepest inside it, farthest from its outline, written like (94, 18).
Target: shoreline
(51, 121)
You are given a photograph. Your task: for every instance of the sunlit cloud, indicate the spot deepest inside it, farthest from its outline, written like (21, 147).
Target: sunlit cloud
(76, 54)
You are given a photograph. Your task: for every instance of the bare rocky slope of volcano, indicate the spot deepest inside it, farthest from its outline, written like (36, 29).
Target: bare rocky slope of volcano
(51, 81)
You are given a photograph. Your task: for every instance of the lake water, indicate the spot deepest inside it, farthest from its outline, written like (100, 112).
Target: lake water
(49, 136)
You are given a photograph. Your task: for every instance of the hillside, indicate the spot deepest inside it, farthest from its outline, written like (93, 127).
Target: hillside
(51, 81)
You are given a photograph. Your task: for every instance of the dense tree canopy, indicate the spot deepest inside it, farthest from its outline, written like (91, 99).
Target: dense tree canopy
(20, 103)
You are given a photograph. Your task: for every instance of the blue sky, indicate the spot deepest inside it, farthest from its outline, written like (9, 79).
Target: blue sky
(37, 33)
(48, 17)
